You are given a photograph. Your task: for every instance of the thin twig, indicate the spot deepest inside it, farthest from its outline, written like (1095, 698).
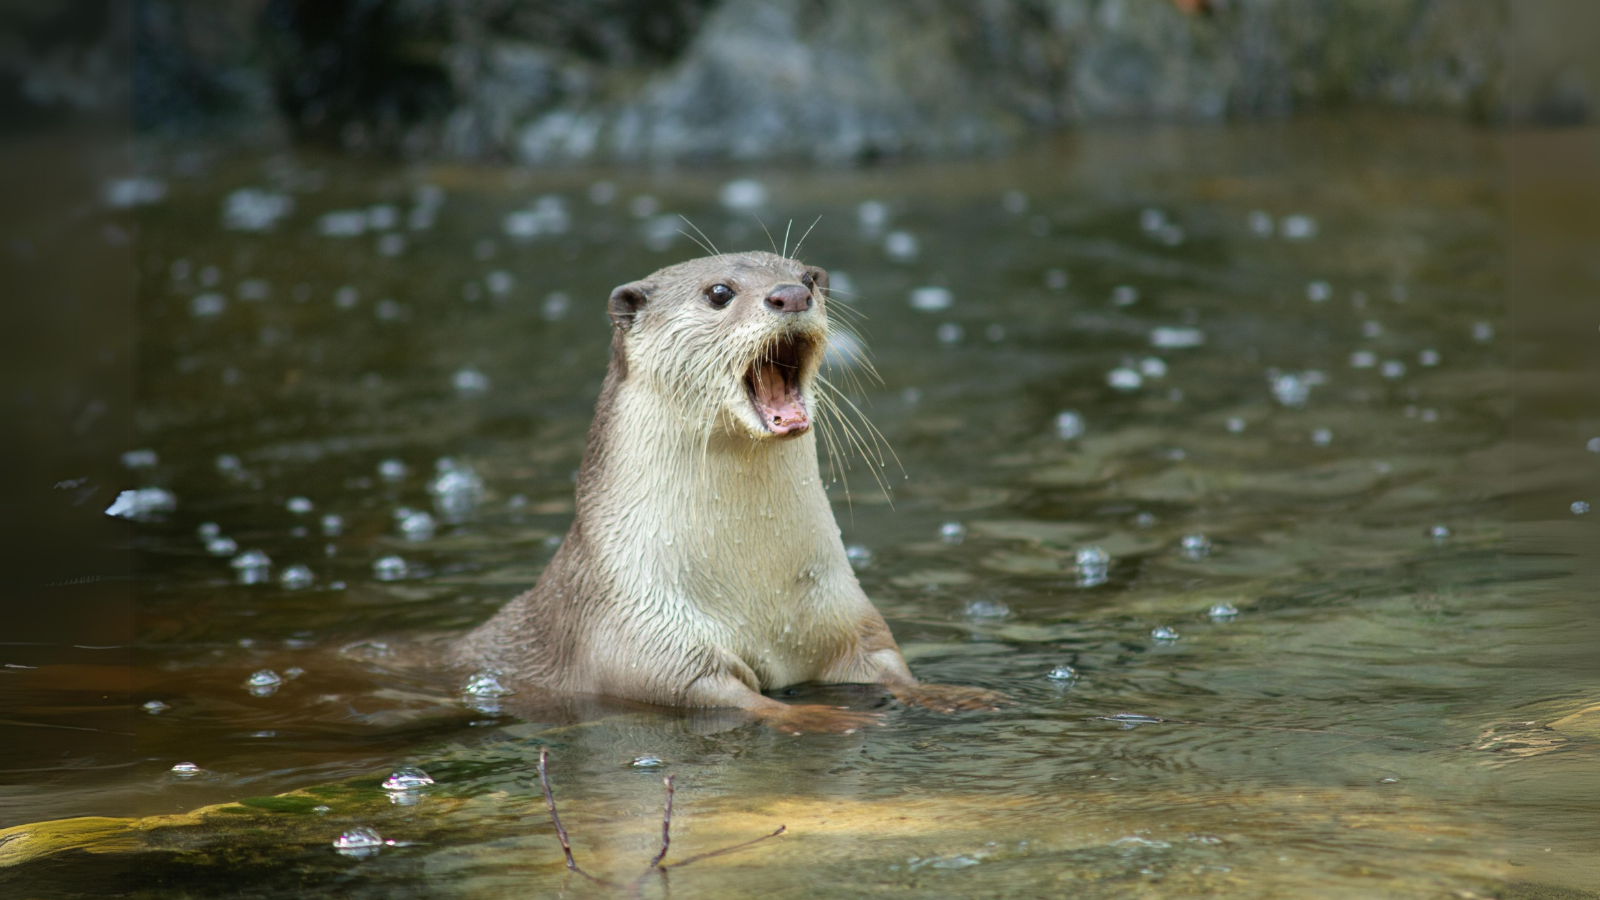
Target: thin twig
(550, 801)
(666, 826)
(708, 855)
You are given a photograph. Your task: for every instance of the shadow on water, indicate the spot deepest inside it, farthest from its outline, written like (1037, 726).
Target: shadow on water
(1222, 453)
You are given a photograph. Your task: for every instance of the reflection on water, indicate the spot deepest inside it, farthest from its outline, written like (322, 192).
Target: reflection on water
(1205, 458)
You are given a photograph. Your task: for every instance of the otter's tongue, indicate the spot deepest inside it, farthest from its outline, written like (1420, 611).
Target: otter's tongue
(777, 399)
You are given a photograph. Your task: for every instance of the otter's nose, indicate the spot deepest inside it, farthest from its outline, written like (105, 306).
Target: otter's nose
(790, 298)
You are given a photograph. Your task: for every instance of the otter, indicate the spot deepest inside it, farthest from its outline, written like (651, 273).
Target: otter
(704, 565)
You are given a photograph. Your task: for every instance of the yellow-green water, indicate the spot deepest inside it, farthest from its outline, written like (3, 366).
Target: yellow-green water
(1406, 703)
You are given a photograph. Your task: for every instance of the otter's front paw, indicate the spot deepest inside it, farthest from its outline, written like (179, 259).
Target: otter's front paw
(951, 698)
(814, 718)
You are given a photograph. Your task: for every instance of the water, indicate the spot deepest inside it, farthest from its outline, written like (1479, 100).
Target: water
(1384, 684)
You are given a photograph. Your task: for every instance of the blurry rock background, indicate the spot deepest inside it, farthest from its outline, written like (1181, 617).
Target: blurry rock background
(744, 79)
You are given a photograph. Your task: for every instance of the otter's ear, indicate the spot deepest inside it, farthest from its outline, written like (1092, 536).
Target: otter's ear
(815, 278)
(625, 303)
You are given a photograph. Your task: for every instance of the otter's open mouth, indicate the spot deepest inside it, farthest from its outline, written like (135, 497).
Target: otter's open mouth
(773, 381)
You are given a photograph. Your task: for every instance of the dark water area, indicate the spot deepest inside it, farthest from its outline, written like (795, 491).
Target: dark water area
(1251, 462)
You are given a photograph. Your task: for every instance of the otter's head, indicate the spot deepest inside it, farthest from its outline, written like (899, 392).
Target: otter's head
(731, 341)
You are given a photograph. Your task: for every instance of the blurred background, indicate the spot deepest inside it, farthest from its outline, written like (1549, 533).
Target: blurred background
(1236, 371)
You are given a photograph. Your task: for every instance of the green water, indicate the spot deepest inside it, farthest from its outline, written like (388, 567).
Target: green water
(1404, 704)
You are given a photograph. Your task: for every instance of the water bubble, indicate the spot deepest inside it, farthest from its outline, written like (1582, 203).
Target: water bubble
(872, 215)
(389, 568)
(1593, 446)
(1298, 227)
(1124, 379)
(263, 682)
(416, 526)
(743, 195)
(646, 762)
(1062, 674)
(499, 282)
(1388, 779)
(1153, 367)
(142, 504)
(1069, 425)
(1163, 634)
(1260, 222)
(1130, 721)
(358, 842)
(858, 555)
(140, 459)
(1290, 389)
(221, 546)
(643, 206)
(207, 305)
(901, 246)
(1428, 358)
(392, 470)
(485, 684)
(1055, 279)
(1177, 338)
(931, 299)
(186, 770)
(296, 577)
(125, 193)
(1235, 425)
(1439, 533)
(1363, 359)
(298, 505)
(407, 778)
(1579, 507)
(1483, 332)
(456, 490)
(555, 306)
(469, 381)
(1322, 437)
(155, 707)
(1093, 566)
(295, 671)
(952, 532)
(252, 209)
(1152, 219)
(984, 608)
(251, 567)
(1124, 295)
(950, 333)
(342, 223)
(332, 525)
(1393, 368)
(1196, 546)
(1222, 611)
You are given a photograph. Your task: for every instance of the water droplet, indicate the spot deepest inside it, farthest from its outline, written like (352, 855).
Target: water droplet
(1144, 520)
(1291, 389)
(1056, 279)
(1092, 556)
(1069, 425)
(186, 770)
(1579, 507)
(415, 526)
(407, 778)
(743, 195)
(1322, 437)
(984, 608)
(555, 306)
(1235, 425)
(1153, 367)
(389, 568)
(298, 505)
(1389, 779)
(140, 459)
(1298, 227)
(358, 842)
(1594, 445)
(321, 809)
(1439, 533)
(469, 381)
(332, 525)
(1196, 546)
(456, 490)
(1221, 611)
(859, 556)
(263, 682)
(142, 504)
(931, 298)
(646, 762)
(1124, 379)
(1062, 674)
(1428, 358)
(251, 567)
(1393, 368)
(1260, 223)
(1483, 332)
(392, 470)
(485, 684)
(1363, 359)
(901, 246)
(1163, 634)
(872, 215)
(1177, 338)
(1124, 295)
(222, 546)
(296, 577)
(342, 223)
(155, 707)
(950, 333)
(952, 532)
(1319, 291)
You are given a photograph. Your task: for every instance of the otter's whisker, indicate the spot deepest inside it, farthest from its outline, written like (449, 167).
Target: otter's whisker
(786, 228)
(804, 236)
(712, 249)
(769, 234)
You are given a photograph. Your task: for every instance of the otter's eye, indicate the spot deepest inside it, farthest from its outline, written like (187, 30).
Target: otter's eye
(720, 295)
(808, 281)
